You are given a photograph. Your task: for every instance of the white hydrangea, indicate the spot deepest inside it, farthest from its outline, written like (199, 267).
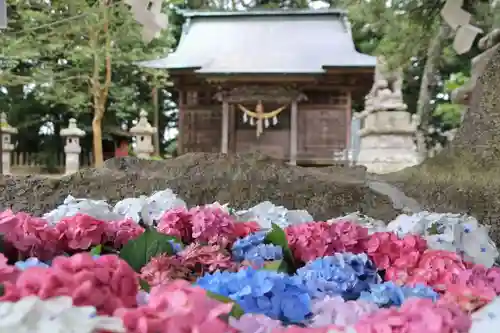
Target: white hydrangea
(487, 319)
(266, 213)
(55, 315)
(450, 232)
(71, 206)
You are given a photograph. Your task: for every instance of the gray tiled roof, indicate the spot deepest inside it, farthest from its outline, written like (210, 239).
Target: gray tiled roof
(281, 42)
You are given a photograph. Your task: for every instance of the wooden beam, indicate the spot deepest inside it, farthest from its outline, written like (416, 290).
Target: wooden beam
(293, 132)
(180, 135)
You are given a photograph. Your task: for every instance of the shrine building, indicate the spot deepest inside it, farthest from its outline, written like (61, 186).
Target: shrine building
(280, 82)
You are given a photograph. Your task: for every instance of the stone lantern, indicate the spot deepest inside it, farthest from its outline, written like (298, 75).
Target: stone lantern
(72, 149)
(143, 133)
(7, 144)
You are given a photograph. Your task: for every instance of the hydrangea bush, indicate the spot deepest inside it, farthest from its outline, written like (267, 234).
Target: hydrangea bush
(154, 265)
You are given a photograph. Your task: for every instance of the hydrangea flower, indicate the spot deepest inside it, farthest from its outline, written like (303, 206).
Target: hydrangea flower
(344, 274)
(57, 315)
(276, 295)
(212, 225)
(416, 315)
(389, 294)
(262, 253)
(335, 311)
(162, 269)
(30, 262)
(201, 259)
(174, 308)
(81, 277)
(254, 323)
(243, 245)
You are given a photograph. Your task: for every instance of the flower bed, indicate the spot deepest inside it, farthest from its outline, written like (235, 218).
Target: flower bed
(151, 265)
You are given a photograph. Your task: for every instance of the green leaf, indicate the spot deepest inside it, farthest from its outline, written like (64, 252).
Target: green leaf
(96, 250)
(277, 236)
(276, 266)
(149, 244)
(236, 311)
(2, 289)
(144, 285)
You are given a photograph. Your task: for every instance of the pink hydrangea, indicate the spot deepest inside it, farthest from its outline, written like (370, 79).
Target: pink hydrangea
(106, 283)
(80, 232)
(201, 259)
(254, 323)
(177, 307)
(212, 225)
(177, 223)
(349, 236)
(309, 241)
(436, 268)
(8, 221)
(7, 273)
(386, 250)
(243, 229)
(481, 277)
(34, 237)
(468, 298)
(120, 232)
(163, 269)
(416, 315)
(335, 311)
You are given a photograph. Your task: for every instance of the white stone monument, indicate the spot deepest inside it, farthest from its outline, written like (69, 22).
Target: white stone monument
(7, 145)
(388, 130)
(143, 133)
(72, 149)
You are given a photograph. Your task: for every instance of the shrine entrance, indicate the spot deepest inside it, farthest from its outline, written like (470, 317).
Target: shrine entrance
(263, 119)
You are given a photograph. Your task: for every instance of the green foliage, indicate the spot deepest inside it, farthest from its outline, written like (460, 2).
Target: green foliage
(236, 311)
(138, 252)
(53, 46)
(449, 113)
(276, 266)
(277, 236)
(96, 250)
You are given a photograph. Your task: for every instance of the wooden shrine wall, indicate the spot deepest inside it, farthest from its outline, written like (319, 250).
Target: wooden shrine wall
(322, 125)
(274, 141)
(200, 122)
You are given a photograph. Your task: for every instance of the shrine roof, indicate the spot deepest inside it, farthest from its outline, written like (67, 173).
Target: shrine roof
(265, 42)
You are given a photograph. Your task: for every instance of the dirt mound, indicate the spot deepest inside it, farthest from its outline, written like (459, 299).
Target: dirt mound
(242, 180)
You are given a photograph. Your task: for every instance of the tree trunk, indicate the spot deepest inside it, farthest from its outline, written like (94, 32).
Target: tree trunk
(156, 122)
(424, 107)
(97, 134)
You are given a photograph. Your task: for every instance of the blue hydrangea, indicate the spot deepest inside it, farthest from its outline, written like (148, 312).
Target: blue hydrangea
(30, 262)
(177, 247)
(243, 245)
(264, 252)
(343, 274)
(389, 294)
(276, 295)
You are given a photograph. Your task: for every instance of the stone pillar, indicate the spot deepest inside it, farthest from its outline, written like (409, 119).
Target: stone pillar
(388, 131)
(7, 145)
(72, 148)
(225, 128)
(143, 133)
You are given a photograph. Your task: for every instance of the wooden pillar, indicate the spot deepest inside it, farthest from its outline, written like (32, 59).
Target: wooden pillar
(225, 127)
(182, 132)
(293, 132)
(348, 133)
